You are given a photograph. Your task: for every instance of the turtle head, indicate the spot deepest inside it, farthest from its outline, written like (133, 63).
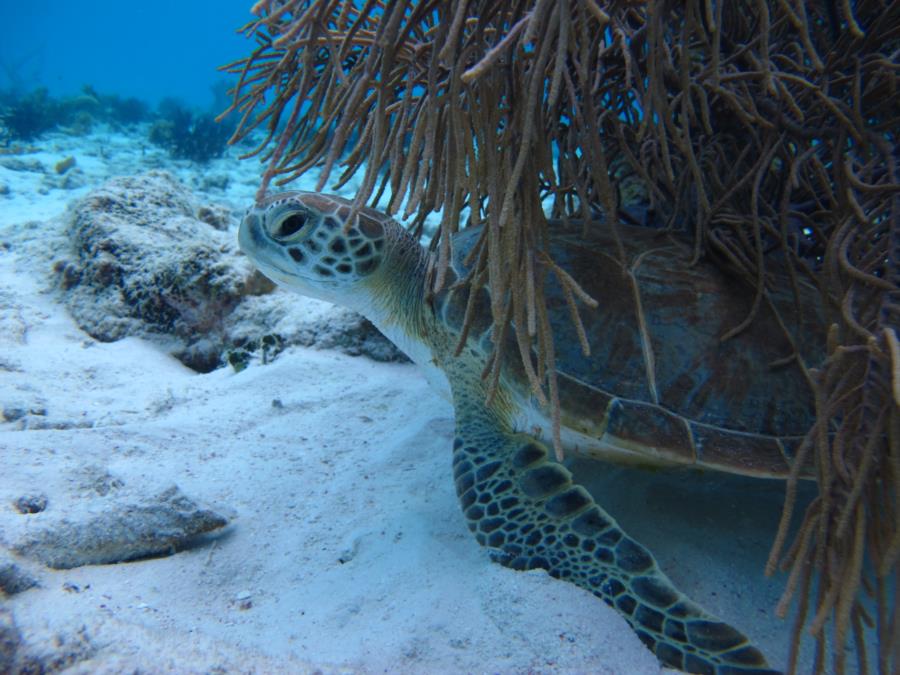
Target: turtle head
(307, 242)
(304, 241)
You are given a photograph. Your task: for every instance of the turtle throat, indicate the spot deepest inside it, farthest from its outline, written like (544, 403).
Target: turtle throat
(397, 305)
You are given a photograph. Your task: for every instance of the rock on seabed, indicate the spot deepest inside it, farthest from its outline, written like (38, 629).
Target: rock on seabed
(148, 258)
(122, 532)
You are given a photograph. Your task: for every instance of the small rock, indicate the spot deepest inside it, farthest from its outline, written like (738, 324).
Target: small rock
(124, 531)
(4, 189)
(99, 480)
(350, 550)
(13, 579)
(73, 180)
(202, 355)
(68, 274)
(219, 181)
(339, 329)
(11, 413)
(244, 600)
(64, 165)
(30, 503)
(9, 366)
(21, 164)
(216, 215)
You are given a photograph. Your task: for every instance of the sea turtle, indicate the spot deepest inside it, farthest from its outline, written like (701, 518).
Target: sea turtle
(660, 387)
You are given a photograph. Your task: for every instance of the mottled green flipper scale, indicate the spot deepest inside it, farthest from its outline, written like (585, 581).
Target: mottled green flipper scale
(525, 507)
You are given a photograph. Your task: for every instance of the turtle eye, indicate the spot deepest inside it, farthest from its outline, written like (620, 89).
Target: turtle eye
(290, 225)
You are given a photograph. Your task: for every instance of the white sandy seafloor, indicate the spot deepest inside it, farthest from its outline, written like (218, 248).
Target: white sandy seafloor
(347, 551)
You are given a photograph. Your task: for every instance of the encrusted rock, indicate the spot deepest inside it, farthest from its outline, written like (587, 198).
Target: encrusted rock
(21, 164)
(121, 532)
(148, 259)
(145, 264)
(13, 579)
(267, 324)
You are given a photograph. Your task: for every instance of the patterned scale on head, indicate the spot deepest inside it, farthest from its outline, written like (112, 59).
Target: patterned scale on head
(306, 242)
(312, 231)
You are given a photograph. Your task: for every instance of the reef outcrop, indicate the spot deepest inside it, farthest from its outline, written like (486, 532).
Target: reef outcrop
(148, 258)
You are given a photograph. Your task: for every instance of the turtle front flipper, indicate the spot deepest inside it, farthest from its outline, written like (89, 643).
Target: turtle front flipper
(525, 507)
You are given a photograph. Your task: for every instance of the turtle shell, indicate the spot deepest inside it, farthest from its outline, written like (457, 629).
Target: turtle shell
(660, 383)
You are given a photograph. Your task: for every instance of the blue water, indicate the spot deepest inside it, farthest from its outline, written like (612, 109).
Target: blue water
(148, 50)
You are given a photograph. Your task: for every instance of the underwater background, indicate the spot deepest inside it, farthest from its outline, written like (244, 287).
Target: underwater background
(149, 51)
(251, 401)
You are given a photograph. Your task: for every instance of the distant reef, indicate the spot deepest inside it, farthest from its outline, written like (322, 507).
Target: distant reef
(26, 117)
(184, 133)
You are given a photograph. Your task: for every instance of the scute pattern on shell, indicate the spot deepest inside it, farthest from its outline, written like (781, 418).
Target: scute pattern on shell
(660, 381)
